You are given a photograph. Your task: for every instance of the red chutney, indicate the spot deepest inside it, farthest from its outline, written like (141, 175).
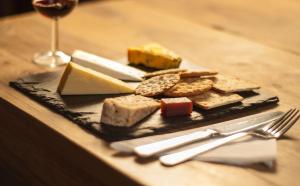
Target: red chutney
(176, 107)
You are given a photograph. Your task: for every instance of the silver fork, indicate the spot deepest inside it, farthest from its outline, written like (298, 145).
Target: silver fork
(273, 130)
(157, 147)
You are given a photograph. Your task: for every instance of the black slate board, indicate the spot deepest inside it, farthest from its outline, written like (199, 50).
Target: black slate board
(86, 110)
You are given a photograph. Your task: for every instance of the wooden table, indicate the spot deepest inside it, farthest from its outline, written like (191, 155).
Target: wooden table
(256, 40)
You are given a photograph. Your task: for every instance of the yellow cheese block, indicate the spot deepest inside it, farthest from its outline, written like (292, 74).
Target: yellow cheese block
(154, 56)
(78, 80)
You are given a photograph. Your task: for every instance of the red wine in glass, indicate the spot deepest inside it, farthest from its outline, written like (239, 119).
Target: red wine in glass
(53, 9)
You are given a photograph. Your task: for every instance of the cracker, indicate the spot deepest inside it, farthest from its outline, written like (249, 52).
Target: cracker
(228, 84)
(212, 99)
(198, 73)
(162, 72)
(157, 85)
(189, 87)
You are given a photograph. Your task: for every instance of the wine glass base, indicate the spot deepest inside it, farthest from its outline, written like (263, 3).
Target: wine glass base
(51, 59)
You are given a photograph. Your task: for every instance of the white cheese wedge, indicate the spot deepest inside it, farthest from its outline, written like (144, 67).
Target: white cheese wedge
(107, 66)
(125, 111)
(78, 80)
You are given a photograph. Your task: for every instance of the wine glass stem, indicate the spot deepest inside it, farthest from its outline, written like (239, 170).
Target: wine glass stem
(55, 36)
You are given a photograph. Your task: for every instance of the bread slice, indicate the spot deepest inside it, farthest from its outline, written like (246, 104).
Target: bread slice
(212, 99)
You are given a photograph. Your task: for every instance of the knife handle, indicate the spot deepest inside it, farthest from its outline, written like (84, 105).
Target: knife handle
(160, 146)
(182, 156)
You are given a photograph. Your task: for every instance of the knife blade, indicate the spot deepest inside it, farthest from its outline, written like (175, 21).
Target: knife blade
(241, 125)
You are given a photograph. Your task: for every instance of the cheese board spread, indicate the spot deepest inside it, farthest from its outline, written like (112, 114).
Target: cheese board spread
(103, 103)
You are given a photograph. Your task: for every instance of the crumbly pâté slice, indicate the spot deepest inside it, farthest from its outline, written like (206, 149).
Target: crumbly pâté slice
(157, 85)
(162, 72)
(212, 99)
(229, 84)
(126, 111)
(189, 87)
(198, 73)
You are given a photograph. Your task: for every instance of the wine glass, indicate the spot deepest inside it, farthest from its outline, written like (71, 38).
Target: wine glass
(54, 9)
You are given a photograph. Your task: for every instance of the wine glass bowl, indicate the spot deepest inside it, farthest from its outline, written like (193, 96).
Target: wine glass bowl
(53, 9)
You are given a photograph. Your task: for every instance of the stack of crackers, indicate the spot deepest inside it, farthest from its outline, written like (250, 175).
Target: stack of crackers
(206, 88)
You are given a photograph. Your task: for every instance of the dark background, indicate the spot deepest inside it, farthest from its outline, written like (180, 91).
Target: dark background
(12, 7)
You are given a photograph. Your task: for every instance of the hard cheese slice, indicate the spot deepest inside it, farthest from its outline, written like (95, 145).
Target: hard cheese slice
(126, 111)
(78, 80)
(154, 56)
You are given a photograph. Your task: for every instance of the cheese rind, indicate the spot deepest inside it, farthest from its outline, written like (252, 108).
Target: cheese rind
(78, 80)
(126, 111)
(154, 56)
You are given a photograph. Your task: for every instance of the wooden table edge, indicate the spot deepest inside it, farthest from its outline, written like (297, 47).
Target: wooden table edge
(98, 168)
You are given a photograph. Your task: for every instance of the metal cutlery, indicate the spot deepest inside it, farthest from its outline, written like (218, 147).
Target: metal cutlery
(272, 130)
(154, 148)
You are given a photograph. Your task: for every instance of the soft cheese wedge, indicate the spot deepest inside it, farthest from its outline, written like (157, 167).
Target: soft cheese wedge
(78, 80)
(125, 111)
(107, 66)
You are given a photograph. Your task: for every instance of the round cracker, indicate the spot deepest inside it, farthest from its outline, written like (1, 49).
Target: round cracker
(157, 85)
(162, 72)
(189, 87)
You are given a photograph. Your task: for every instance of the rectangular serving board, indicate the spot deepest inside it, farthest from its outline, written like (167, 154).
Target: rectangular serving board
(86, 110)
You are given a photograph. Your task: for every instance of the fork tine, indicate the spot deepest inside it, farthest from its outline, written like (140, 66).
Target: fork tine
(283, 122)
(276, 123)
(289, 124)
